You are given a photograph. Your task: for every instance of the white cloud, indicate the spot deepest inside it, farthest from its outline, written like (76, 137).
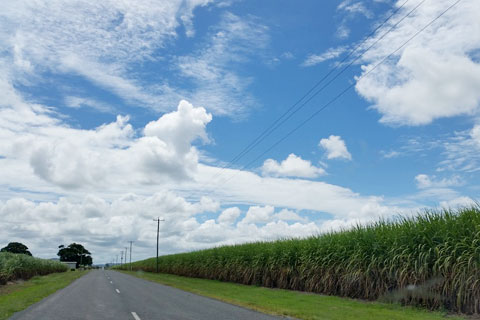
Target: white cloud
(229, 215)
(257, 214)
(391, 154)
(110, 30)
(335, 148)
(461, 151)
(180, 128)
(343, 32)
(475, 135)
(79, 102)
(293, 166)
(288, 215)
(248, 188)
(315, 59)
(101, 41)
(459, 202)
(234, 42)
(354, 7)
(109, 154)
(113, 159)
(435, 75)
(350, 9)
(287, 55)
(424, 181)
(187, 15)
(111, 77)
(104, 227)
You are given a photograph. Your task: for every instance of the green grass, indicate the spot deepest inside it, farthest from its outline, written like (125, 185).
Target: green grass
(431, 260)
(18, 296)
(296, 304)
(21, 266)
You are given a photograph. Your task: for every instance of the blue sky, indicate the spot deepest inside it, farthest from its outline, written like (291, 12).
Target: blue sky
(114, 113)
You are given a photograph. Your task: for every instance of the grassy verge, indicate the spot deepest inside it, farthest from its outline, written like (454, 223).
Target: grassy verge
(18, 296)
(296, 304)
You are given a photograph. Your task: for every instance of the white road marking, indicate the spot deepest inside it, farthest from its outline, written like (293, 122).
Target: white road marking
(111, 281)
(118, 291)
(135, 316)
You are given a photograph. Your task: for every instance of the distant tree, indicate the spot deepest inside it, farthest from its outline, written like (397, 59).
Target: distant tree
(75, 252)
(16, 247)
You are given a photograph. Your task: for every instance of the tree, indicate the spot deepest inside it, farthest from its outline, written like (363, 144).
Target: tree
(75, 252)
(16, 247)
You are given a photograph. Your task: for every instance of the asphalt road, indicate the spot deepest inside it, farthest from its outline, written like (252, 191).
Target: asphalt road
(114, 295)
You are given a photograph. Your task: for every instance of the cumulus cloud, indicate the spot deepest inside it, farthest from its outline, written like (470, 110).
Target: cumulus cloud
(229, 215)
(435, 75)
(111, 153)
(289, 215)
(97, 223)
(105, 226)
(257, 214)
(180, 128)
(335, 148)
(293, 166)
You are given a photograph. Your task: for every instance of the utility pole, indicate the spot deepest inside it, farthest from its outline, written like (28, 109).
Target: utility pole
(121, 257)
(130, 255)
(158, 232)
(116, 259)
(126, 252)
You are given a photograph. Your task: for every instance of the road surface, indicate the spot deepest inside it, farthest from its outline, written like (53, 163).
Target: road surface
(113, 295)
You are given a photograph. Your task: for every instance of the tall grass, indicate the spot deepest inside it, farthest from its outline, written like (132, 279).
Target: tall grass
(431, 260)
(21, 266)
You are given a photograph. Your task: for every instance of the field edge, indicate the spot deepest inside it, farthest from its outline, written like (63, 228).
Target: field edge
(281, 304)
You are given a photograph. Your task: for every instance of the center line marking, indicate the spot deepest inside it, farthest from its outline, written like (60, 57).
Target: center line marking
(135, 316)
(118, 291)
(111, 281)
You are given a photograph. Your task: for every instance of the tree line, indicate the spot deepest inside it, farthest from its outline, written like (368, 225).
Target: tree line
(74, 252)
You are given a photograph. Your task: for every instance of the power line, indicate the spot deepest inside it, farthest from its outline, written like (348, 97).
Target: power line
(343, 91)
(335, 76)
(275, 124)
(281, 119)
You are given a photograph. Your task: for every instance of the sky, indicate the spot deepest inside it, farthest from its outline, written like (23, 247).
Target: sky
(114, 113)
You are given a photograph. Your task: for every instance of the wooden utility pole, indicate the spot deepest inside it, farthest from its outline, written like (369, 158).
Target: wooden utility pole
(131, 242)
(158, 232)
